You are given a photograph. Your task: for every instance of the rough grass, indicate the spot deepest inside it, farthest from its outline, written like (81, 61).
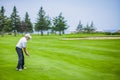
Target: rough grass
(52, 58)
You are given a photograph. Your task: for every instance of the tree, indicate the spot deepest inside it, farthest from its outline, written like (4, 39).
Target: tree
(43, 22)
(2, 20)
(48, 24)
(5, 22)
(22, 27)
(26, 25)
(79, 28)
(8, 25)
(40, 25)
(89, 28)
(59, 24)
(92, 27)
(15, 21)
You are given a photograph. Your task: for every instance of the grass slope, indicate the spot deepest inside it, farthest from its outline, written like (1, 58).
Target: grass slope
(52, 58)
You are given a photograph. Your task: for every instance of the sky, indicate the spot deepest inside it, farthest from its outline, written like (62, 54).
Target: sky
(105, 14)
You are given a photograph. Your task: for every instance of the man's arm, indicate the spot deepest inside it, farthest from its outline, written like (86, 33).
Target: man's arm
(25, 50)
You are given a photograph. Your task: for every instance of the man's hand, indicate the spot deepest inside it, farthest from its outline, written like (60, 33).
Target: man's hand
(26, 52)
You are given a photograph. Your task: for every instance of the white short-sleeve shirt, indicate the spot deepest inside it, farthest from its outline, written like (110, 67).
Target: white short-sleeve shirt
(22, 43)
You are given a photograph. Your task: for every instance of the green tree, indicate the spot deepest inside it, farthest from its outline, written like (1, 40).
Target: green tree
(89, 28)
(48, 24)
(8, 25)
(16, 23)
(60, 24)
(22, 27)
(27, 24)
(42, 23)
(79, 28)
(2, 20)
(92, 27)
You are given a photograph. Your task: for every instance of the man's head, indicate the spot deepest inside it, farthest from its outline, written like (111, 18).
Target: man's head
(27, 36)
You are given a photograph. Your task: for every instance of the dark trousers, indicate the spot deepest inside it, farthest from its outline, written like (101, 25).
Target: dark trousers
(20, 58)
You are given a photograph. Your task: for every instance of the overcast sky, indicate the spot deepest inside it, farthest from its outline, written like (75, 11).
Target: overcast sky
(104, 13)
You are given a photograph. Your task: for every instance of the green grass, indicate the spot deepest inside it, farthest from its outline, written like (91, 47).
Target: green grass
(52, 58)
(83, 35)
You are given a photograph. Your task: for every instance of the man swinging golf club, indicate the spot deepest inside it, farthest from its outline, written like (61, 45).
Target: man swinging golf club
(20, 47)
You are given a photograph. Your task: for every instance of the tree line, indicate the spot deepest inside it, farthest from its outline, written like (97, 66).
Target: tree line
(85, 28)
(44, 23)
(58, 24)
(14, 23)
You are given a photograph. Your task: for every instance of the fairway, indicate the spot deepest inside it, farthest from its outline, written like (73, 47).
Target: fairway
(52, 58)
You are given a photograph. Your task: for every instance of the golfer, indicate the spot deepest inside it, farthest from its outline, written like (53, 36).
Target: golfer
(20, 47)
